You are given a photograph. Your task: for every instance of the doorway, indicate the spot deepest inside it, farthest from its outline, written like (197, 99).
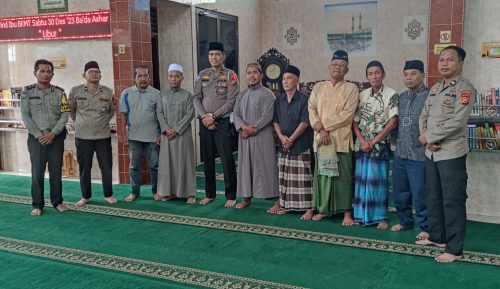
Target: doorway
(215, 26)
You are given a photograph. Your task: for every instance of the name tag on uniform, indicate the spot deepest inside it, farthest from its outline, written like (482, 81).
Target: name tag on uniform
(447, 101)
(103, 96)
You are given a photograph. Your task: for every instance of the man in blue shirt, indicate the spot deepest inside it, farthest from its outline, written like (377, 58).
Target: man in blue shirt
(408, 170)
(138, 107)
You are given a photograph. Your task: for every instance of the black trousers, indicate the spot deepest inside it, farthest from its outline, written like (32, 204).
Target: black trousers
(218, 141)
(40, 155)
(85, 154)
(446, 193)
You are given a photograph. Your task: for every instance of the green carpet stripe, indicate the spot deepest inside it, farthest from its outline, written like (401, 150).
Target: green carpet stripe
(135, 266)
(334, 239)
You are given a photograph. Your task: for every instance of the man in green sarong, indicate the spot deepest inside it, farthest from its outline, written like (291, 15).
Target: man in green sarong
(332, 105)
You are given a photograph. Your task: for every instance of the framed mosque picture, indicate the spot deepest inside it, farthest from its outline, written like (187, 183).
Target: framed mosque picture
(351, 27)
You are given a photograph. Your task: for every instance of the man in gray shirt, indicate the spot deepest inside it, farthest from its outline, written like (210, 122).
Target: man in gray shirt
(45, 111)
(92, 108)
(142, 134)
(408, 165)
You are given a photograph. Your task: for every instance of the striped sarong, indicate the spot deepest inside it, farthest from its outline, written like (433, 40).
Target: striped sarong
(295, 181)
(370, 189)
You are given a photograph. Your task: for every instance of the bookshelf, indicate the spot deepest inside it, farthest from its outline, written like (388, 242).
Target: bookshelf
(483, 161)
(484, 122)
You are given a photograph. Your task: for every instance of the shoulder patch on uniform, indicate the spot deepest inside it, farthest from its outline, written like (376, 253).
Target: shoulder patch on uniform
(30, 86)
(205, 77)
(434, 89)
(465, 97)
(58, 87)
(234, 79)
(64, 103)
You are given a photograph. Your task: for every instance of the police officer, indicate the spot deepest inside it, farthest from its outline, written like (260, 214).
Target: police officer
(45, 111)
(214, 97)
(92, 108)
(443, 124)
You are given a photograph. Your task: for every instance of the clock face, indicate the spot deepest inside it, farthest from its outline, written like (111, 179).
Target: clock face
(273, 71)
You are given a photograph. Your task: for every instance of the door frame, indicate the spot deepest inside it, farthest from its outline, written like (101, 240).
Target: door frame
(218, 16)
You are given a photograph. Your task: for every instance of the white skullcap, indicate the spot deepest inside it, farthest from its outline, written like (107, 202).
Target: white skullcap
(176, 67)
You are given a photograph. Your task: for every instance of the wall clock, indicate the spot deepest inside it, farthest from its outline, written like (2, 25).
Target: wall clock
(273, 65)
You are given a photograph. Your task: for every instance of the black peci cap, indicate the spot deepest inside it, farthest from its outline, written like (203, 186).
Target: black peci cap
(293, 70)
(414, 64)
(215, 46)
(340, 54)
(91, 64)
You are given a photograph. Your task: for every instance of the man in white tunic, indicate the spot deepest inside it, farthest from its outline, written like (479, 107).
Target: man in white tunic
(175, 110)
(253, 117)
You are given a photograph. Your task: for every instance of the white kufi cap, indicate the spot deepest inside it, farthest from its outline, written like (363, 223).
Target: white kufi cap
(176, 67)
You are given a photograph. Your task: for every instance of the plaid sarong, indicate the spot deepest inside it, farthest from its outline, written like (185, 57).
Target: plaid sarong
(295, 181)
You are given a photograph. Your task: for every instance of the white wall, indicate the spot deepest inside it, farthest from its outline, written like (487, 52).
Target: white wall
(17, 71)
(312, 58)
(481, 25)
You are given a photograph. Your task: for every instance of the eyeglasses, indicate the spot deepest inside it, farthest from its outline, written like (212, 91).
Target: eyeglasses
(95, 72)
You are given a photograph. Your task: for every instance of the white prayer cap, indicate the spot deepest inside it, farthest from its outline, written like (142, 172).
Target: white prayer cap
(176, 67)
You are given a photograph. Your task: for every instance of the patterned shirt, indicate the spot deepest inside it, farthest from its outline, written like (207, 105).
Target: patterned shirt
(374, 111)
(410, 106)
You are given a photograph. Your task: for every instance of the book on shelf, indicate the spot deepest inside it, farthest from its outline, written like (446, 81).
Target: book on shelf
(487, 104)
(484, 137)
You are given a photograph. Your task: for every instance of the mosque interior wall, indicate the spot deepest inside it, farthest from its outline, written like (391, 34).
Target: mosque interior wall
(16, 62)
(262, 25)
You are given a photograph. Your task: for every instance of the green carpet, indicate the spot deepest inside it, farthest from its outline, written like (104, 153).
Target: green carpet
(263, 258)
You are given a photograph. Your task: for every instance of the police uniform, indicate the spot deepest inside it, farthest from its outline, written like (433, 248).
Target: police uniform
(444, 119)
(92, 111)
(215, 93)
(45, 111)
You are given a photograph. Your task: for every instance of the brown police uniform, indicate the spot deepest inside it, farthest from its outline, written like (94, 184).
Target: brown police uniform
(45, 111)
(92, 111)
(444, 119)
(215, 93)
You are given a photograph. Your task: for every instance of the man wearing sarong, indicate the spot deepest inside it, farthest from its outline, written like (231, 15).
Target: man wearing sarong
(375, 118)
(291, 123)
(253, 117)
(332, 105)
(176, 167)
